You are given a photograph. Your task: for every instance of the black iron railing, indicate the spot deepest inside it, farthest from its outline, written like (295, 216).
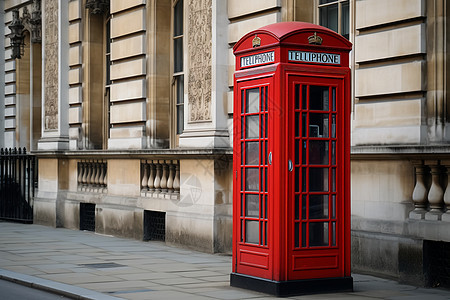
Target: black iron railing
(18, 178)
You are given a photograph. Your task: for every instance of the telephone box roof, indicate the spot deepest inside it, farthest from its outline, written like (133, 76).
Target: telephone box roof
(285, 32)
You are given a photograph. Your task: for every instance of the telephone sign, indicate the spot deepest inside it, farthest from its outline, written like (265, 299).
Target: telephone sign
(291, 163)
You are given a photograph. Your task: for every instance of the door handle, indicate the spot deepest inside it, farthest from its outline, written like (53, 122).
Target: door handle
(270, 158)
(290, 165)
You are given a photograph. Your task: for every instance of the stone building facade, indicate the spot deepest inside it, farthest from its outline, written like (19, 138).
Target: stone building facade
(128, 106)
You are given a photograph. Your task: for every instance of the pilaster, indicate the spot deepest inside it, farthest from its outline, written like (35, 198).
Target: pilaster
(55, 69)
(206, 81)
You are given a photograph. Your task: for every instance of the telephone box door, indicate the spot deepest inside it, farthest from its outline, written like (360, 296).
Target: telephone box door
(251, 143)
(316, 177)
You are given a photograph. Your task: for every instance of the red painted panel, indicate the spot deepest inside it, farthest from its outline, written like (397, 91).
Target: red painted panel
(314, 262)
(254, 259)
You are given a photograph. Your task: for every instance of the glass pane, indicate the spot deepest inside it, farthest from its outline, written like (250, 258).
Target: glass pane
(242, 230)
(326, 1)
(252, 127)
(242, 204)
(333, 206)
(261, 205)
(251, 205)
(305, 147)
(178, 18)
(265, 233)
(265, 207)
(180, 89)
(333, 96)
(251, 153)
(297, 179)
(318, 206)
(304, 95)
(318, 179)
(242, 104)
(297, 152)
(304, 125)
(345, 19)
(304, 179)
(318, 234)
(252, 100)
(303, 234)
(266, 126)
(242, 153)
(252, 179)
(333, 152)
(242, 128)
(297, 207)
(178, 55)
(297, 124)
(297, 97)
(318, 152)
(251, 232)
(266, 101)
(318, 97)
(328, 17)
(333, 126)
(318, 125)
(333, 238)
(333, 179)
(180, 118)
(296, 234)
(304, 205)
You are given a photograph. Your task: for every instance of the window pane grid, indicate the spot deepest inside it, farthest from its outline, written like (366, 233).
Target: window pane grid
(254, 162)
(314, 204)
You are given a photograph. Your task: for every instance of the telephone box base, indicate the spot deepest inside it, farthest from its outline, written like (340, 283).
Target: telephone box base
(293, 287)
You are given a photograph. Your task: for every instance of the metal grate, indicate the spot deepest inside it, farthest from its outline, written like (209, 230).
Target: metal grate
(154, 226)
(87, 216)
(437, 263)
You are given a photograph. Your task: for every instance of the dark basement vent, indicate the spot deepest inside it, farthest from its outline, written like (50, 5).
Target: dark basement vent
(154, 226)
(87, 216)
(436, 257)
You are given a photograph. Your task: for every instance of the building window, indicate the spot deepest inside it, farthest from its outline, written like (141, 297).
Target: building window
(335, 14)
(178, 75)
(106, 102)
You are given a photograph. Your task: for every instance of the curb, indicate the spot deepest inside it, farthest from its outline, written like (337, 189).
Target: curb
(54, 287)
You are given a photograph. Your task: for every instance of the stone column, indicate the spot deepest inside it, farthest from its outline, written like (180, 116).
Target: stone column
(55, 70)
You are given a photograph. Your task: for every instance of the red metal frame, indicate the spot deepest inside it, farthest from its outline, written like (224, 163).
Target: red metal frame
(278, 252)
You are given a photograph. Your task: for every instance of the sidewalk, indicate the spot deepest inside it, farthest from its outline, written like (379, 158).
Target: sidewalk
(84, 265)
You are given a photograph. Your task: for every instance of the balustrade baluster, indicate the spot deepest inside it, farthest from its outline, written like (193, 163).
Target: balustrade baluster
(436, 193)
(446, 215)
(97, 174)
(105, 176)
(176, 180)
(151, 178)
(171, 174)
(157, 182)
(144, 182)
(420, 192)
(165, 169)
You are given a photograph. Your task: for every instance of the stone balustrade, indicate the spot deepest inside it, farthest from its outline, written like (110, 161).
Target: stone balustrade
(92, 176)
(160, 179)
(431, 194)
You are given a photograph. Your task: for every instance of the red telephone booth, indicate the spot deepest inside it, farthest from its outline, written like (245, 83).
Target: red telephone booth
(291, 201)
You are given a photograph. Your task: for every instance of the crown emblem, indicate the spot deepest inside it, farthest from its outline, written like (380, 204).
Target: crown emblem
(256, 42)
(315, 39)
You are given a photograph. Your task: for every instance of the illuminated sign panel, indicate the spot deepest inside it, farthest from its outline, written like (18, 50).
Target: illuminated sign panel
(257, 59)
(315, 57)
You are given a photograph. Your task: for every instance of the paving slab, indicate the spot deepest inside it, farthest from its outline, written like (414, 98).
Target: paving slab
(92, 266)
